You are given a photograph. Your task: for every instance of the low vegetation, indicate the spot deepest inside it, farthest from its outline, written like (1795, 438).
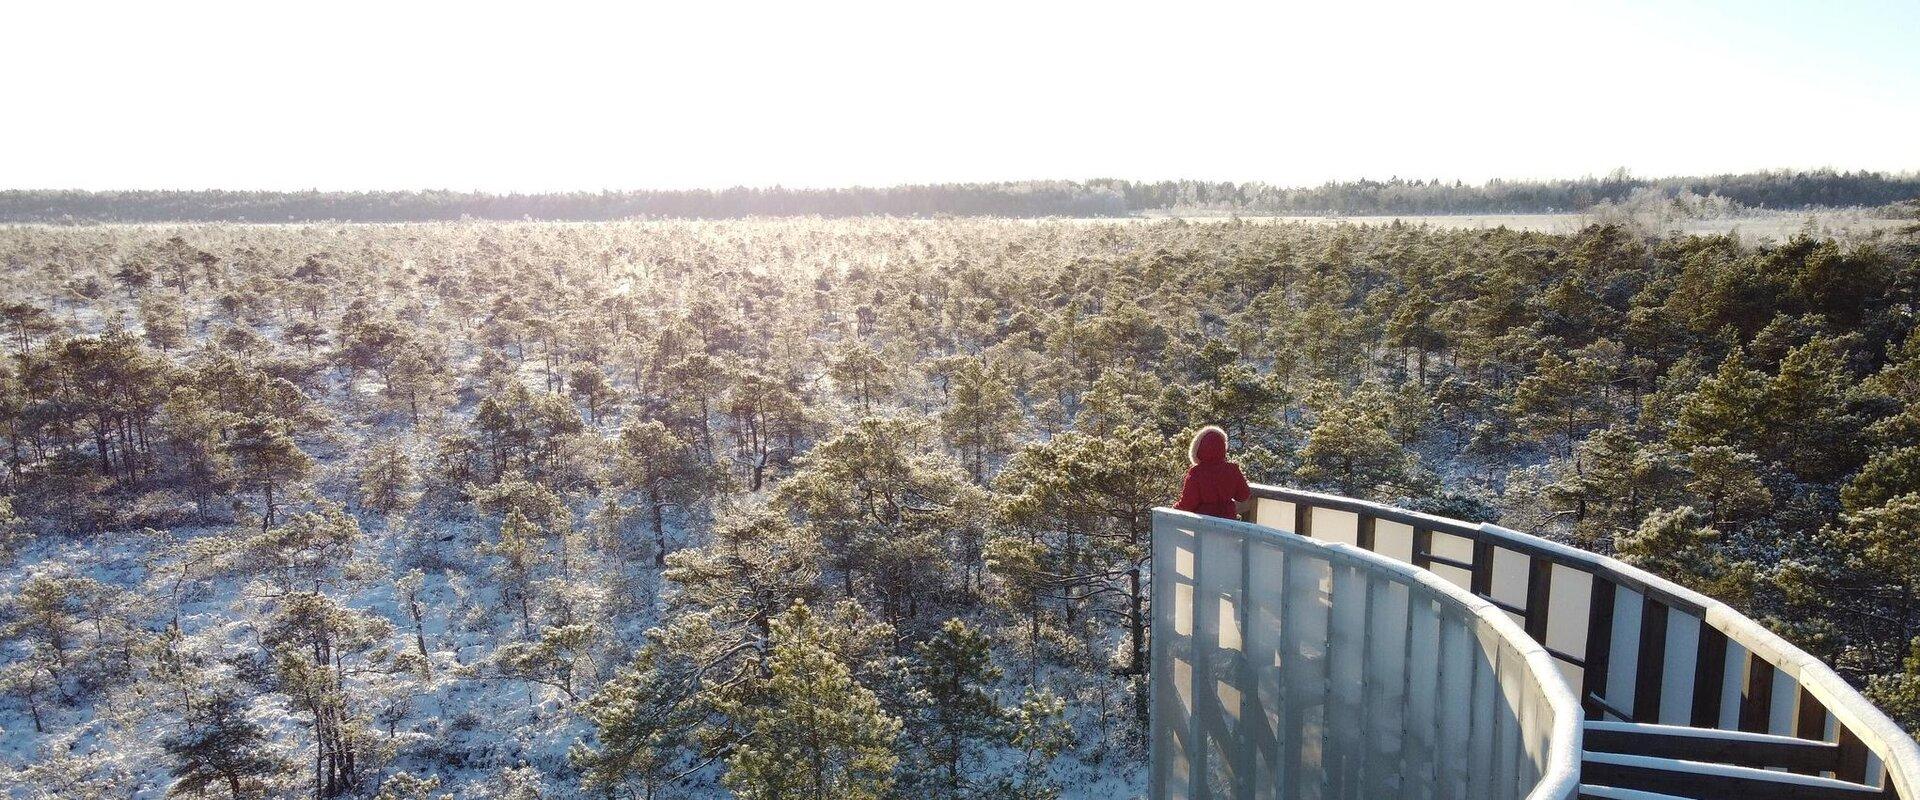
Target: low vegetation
(852, 508)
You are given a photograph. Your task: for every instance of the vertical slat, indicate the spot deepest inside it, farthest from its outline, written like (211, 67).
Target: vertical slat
(1266, 657)
(1811, 719)
(1786, 696)
(1423, 548)
(1482, 568)
(1172, 766)
(1709, 672)
(1678, 669)
(1303, 519)
(1453, 746)
(1252, 718)
(1205, 638)
(1306, 682)
(1599, 645)
(1346, 675)
(1757, 706)
(1424, 664)
(1851, 765)
(1539, 594)
(1810, 722)
(1650, 670)
(1483, 731)
(1386, 698)
(1733, 687)
(1363, 532)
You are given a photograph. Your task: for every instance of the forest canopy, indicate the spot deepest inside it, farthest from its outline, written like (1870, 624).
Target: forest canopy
(855, 508)
(1779, 190)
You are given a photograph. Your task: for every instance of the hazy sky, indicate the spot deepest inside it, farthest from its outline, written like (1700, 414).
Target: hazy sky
(554, 95)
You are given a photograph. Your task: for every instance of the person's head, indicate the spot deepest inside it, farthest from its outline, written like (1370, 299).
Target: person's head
(1209, 446)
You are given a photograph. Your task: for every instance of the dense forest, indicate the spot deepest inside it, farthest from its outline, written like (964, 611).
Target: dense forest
(847, 508)
(1094, 198)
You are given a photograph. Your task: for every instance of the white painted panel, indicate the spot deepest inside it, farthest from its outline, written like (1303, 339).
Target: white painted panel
(1265, 597)
(1623, 659)
(1480, 743)
(1304, 684)
(1456, 705)
(1424, 665)
(1393, 540)
(1457, 548)
(1218, 666)
(1273, 513)
(1573, 674)
(1510, 576)
(1347, 675)
(1506, 721)
(1569, 610)
(1386, 688)
(1454, 575)
(1784, 713)
(1676, 681)
(1733, 682)
(1334, 525)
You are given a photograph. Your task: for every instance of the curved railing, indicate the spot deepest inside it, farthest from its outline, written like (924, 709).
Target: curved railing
(1295, 668)
(1681, 694)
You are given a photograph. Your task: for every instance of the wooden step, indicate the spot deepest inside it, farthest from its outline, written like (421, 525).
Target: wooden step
(1588, 792)
(1703, 781)
(1713, 746)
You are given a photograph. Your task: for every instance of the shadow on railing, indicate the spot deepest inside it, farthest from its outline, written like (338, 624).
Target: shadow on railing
(1669, 679)
(1288, 667)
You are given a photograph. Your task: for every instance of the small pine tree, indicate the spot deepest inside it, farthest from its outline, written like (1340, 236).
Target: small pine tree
(953, 673)
(222, 746)
(982, 418)
(1040, 732)
(387, 477)
(812, 730)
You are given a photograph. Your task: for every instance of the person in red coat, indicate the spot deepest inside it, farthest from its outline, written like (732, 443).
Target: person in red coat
(1214, 485)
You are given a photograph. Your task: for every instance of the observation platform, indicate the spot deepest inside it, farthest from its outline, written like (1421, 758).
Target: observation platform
(1334, 649)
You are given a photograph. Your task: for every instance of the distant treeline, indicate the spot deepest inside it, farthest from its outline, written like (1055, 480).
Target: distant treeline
(1094, 198)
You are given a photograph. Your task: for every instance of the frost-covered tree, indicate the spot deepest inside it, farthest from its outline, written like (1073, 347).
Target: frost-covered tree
(812, 730)
(221, 747)
(955, 673)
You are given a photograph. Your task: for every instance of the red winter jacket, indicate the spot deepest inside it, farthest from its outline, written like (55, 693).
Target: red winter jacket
(1214, 484)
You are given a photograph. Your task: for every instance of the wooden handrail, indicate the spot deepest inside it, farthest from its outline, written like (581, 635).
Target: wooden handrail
(1861, 728)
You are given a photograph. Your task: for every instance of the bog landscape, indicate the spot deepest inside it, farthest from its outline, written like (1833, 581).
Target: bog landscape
(850, 496)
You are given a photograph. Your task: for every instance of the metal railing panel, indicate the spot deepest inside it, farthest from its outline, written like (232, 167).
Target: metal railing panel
(1289, 667)
(1645, 649)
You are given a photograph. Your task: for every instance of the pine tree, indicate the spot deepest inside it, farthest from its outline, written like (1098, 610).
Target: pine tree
(407, 786)
(860, 372)
(662, 468)
(812, 731)
(643, 728)
(954, 673)
(1728, 408)
(556, 659)
(265, 457)
(982, 417)
(885, 505)
(1088, 501)
(1040, 732)
(1562, 400)
(1728, 482)
(1351, 450)
(387, 477)
(220, 746)
(521, 558)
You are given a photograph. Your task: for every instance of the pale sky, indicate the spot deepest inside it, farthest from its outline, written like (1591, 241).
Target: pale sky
(560, 96)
